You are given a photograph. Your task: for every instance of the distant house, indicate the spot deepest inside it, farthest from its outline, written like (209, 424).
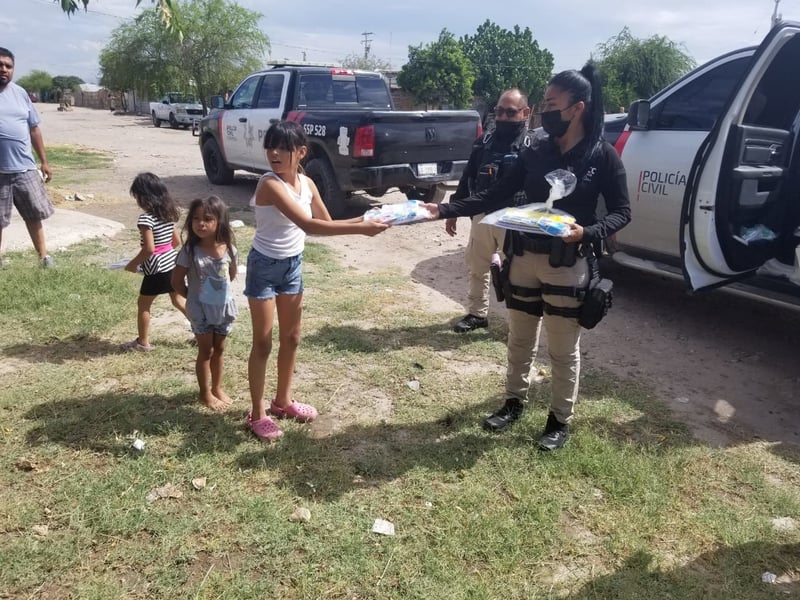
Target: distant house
(91, 95)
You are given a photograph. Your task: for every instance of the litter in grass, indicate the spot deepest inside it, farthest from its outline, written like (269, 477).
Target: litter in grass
(768, 577)
(40, 530)
(784, 524)
(138, 444)
(199, 483)
(383, 527)
(301, 514)
(413, 384)
(170, 490)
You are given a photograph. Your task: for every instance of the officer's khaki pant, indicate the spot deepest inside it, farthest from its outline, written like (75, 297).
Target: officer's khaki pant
(484, 240)
(563, 334)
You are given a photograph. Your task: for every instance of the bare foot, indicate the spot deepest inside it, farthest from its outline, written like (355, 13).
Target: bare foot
(212, 402)
(223, 397)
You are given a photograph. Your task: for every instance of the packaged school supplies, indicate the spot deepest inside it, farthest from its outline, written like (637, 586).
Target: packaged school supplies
(532, 218)
(401, 213)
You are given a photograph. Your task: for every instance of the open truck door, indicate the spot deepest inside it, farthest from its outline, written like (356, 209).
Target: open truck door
(742, 199)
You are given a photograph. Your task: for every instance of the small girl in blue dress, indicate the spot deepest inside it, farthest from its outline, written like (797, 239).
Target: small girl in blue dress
(204, 269)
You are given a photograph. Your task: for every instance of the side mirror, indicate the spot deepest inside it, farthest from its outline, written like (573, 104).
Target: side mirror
(639, 114)
(217, 102)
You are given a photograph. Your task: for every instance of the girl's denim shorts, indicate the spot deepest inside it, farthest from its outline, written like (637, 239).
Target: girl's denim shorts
(267, 277)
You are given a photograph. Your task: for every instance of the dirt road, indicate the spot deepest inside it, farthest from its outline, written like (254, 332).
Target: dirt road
(728, 367)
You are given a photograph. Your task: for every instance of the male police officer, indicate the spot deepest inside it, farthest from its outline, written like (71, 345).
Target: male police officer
(484, 165)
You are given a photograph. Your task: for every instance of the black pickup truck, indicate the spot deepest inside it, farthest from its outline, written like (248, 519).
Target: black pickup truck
(357, 141)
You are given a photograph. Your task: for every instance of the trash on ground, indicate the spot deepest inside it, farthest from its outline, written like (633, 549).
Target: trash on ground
(170, 490)
(413, 384)
(199, 483)
(784, 524)
(768, 577)
(301, 514)
(236, 223)
(40, 530)
(138, 444)
(383, 527)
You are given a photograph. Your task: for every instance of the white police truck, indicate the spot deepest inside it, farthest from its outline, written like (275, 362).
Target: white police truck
(713, 165)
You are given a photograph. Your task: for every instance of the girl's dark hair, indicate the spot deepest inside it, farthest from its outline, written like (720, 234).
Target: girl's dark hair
(152, 196)
(217, 208)
(584, 85)
(286, 135)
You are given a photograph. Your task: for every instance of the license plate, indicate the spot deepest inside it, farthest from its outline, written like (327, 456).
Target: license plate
(426, 169)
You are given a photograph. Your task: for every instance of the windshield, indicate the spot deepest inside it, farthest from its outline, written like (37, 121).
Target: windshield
(182, 99)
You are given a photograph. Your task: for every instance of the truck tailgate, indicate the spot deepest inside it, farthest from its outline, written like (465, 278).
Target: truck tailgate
(423, 136)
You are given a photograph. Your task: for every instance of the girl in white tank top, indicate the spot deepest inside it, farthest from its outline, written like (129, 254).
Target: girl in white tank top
(287, 206)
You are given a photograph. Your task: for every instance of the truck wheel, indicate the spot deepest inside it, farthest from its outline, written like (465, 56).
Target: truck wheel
(321, 173)
(435, 194)
(173, 122)
(156, 120)
(217, 170)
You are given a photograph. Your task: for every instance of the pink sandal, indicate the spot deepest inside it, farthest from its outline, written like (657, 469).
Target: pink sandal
(264, 429)
(304, 413)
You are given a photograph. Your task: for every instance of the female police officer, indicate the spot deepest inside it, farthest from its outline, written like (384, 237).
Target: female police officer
(548, 277)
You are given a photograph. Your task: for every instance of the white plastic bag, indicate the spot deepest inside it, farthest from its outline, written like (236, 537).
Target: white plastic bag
(562, 184)
(402, 213)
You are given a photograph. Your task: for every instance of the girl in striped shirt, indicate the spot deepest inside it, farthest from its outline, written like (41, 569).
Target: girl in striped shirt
(156, 258)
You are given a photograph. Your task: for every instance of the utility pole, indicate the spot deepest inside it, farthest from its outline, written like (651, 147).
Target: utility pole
(366, 41)
(776, 17)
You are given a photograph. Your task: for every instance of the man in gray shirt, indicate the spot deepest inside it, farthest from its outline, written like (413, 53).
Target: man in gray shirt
(20, 182)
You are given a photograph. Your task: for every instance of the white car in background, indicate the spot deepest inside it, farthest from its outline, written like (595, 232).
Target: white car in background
(713, 166)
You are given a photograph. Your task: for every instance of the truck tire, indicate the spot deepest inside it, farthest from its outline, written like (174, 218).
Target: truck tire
(173, 122)
(321, 173)
(435, 194)
(217, 170)
(156, 120)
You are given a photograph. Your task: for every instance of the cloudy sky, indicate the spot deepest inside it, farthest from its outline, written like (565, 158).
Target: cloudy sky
(42, 37)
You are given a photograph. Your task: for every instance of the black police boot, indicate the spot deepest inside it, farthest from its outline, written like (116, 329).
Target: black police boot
(505, 416)
(555, 434)
(469, 323)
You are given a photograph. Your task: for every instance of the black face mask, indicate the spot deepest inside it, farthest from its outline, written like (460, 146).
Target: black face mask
(508, 131)
(553, 125)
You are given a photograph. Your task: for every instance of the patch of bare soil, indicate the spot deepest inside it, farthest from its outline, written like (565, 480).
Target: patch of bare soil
(727, 366)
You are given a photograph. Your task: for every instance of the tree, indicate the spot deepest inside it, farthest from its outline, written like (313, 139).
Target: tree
(637, 68)
(36, 81)
(67, 82)
(370, 63)
(221, 44)
(165, 8)
(504, 59)
(438, 74)
(141, 56)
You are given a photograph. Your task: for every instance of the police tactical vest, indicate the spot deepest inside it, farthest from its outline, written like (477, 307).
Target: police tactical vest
(494, 160)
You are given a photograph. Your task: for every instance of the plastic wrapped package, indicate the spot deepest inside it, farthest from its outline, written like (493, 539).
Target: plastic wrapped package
(532, 218)
(402, 213)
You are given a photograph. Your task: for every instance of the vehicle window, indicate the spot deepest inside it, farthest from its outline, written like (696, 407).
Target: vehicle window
(324, 90)
(181, 99)
(270, 94)
(372, 92)
(315, 89)
(697, 104)
(344, 91)
(776, 99)
(245, 94)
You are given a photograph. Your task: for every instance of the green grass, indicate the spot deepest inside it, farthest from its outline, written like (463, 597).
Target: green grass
(633, 508)
(73, 164)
